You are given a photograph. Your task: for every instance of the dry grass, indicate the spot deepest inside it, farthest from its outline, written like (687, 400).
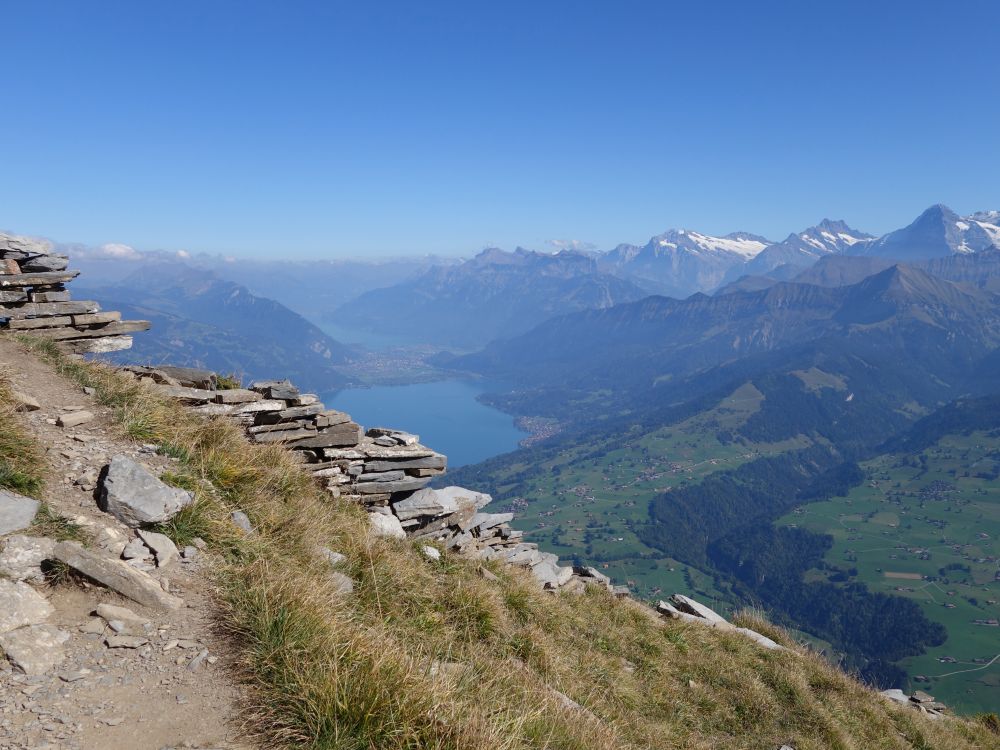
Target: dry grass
(328, 670)
(21, 460)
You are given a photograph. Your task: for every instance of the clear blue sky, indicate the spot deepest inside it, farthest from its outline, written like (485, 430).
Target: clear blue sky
(334, 129)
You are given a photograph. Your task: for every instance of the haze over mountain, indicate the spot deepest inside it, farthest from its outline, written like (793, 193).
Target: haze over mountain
(662, 349)
(495, 294)
(202, 321)
(312, 288)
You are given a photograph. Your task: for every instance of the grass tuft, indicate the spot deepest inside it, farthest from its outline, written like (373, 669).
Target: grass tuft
(21, 459)
(49, 523)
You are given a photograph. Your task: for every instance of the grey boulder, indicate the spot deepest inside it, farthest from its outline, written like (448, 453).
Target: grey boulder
(386, 526)
(133, 495)
(162, 546)
(16, 512)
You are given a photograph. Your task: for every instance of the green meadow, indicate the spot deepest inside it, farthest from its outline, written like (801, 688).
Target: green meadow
(925, 526)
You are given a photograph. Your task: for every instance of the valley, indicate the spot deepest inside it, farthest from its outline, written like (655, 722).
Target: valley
(588, 499)
(925, 526)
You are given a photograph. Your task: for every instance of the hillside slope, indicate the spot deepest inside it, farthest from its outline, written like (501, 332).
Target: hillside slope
(427, 653)
(200, 320)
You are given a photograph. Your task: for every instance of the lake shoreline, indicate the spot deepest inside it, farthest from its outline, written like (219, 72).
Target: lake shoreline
(447, 414)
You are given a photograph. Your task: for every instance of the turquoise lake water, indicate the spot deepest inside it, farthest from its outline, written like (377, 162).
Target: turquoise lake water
(445, 414)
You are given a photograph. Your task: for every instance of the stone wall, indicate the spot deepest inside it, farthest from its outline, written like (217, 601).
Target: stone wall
(34, 299)
(385, 470)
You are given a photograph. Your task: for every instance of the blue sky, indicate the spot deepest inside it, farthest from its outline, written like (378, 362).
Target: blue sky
(336, 129)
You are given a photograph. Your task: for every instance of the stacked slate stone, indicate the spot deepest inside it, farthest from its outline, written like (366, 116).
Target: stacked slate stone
(34, 299)
(383, 469)
(371, 468)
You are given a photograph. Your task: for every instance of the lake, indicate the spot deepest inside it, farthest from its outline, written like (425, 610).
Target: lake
(445, 414)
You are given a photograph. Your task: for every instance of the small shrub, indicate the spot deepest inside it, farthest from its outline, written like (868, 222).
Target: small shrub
(228, 382)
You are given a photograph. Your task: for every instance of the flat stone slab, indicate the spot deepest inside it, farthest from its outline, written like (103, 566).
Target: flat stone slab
(116, 575)
(237, 396)
(378, 488)
(761, 639)
(187, 395)
(690, 606)
(276, 389)
(435, 461)
(429, 502)
(21, 605)
(190, 377)
(22, 557)
(381, 476)
(551, 575)
(111, 612)
(484, 521)
(16, 511)
(133, 495)
(255, 407)
(35, 649)
(367, 449)
(74, 418)
(338, 436)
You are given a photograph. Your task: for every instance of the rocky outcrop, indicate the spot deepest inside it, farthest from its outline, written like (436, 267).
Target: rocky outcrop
(918, 701)
(34, 299)
(681, 607)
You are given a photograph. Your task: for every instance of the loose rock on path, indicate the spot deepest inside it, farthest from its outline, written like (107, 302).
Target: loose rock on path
(85, 667)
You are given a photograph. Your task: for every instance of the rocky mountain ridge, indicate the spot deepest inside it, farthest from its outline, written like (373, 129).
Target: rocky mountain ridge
(494, 294)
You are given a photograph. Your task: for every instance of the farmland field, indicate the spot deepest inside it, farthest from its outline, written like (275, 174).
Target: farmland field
(925, 526)
(587, 502)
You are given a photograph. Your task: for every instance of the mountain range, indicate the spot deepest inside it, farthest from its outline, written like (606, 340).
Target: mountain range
(661, 349)
(495, 294)
(200, 320)
(680, 261)
(499, 294)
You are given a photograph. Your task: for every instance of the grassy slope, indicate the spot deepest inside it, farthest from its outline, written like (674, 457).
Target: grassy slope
(325, 670)
(22, 469)
(589, 499)
(916, 515)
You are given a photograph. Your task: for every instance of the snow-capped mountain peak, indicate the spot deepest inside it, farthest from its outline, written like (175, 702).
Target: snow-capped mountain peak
(989, 222)
(742, 244)
(936, 233)
(802, 249)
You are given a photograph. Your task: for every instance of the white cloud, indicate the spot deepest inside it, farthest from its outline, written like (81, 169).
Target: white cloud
(183, 254)
(571, 245)
(118, 250)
